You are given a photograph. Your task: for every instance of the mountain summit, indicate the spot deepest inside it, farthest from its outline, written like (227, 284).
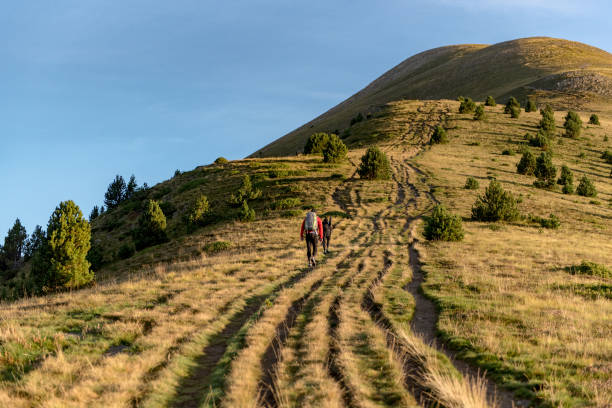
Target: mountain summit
(518, 67)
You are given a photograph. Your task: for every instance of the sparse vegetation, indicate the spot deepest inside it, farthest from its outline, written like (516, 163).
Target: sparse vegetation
(552, 222)
(374, 165)
(217, 247)
(590, 268)
(439, 136)
(443, 226)
(495, 204)
(471, 184)
(480, 114)
(467, 105)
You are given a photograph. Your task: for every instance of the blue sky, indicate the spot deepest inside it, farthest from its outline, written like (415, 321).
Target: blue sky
(94, 88)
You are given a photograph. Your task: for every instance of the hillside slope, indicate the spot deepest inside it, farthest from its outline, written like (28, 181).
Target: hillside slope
(517, 67)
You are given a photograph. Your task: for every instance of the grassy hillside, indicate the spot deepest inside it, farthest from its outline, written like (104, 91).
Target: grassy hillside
(183, 324)
(515, 67)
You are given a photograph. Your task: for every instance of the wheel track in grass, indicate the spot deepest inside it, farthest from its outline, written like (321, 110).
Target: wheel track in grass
(193, 388)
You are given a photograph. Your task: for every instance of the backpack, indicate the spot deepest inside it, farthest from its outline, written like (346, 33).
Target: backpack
(310, 222)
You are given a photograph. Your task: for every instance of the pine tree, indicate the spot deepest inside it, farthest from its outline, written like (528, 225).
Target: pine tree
(547, 123)
(131, 188)
(490, 101)
(198, 212)
(335, 151)
(245, 192)
(61, 261)
(14, 245)
(439, 136)
(512, 102)
(316, 143)
(495, 204)
(545, 171)
(527, 164)
(530, 106)
(573, 124)
(480, 113)
(586, 188)
(34, 243)
(594, 120)
(374, 165)
(151, 229)
(467, 106)
(115, 193)
(95, 213)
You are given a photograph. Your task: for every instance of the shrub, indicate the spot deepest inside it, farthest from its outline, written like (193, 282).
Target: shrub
(316, 143)
(62, 260)
(545, 171)
(460, 98)
(443, 226)
(245, 192)
(357, 119)
(335, 150)
(539, 140)
(594, 120)
(607, 156)
(490, 101)
(126, 251)
(221, 160)
(151, 229)
(586, 188)
(374, 165)
(439, 136)
(246, 214)
(530, 106)
(566, 177)
(479, 114)
(467, 106)
(515, 112)
(168, 208)
(552, 222)
(572, 125)
(527, 164)
(590, 268)
(471, 184)
(512, 102)
(217, 246)
(199, 211)
(507, 152)
(495, 205)
(547, 123)
(286, 203)
(568, 189)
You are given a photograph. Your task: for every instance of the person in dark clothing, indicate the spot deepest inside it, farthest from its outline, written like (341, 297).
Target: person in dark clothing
(312, 229)
(327, 230)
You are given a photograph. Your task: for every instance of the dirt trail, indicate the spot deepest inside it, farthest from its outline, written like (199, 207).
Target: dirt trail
(426, 315)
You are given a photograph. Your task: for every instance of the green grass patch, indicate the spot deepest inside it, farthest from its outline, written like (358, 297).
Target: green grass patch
(216, 247)
(590, 268)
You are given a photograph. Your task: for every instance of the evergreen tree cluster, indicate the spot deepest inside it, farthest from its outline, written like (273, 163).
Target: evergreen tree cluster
(330, 146)
(118, 191)
(547, 123)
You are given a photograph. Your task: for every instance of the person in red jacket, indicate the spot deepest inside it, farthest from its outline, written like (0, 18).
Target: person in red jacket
(312, 228)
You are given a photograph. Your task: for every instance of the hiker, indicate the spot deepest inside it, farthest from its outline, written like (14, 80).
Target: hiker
(312, 227)
(327, 230)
